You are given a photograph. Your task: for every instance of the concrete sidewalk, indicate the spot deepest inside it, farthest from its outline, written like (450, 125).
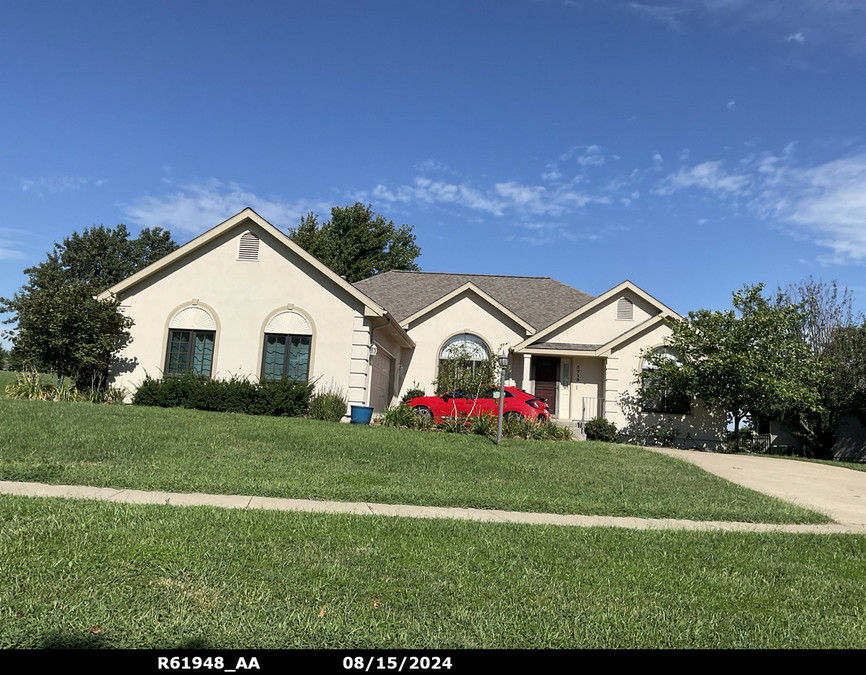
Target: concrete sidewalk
(402, 510)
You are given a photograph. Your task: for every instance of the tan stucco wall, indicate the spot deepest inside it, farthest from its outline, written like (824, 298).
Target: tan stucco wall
(599, 325)
(465, 313)
(242, 296)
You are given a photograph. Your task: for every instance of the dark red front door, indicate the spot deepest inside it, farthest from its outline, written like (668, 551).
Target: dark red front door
(546, 371)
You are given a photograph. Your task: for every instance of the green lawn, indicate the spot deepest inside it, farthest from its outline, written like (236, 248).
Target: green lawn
(191, 451)
(85, 574)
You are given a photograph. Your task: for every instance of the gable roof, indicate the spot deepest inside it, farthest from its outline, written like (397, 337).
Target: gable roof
(595, 302)
(371, 307)
(539, 301)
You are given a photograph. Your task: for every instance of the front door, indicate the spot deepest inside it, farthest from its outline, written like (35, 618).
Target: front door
(546, 373)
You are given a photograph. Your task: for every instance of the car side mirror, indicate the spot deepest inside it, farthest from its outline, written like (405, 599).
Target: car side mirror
(446, 397)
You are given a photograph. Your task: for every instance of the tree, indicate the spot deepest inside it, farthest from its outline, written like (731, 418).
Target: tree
(748, 362)
(59, 324)
(357, 243)
(837, 344)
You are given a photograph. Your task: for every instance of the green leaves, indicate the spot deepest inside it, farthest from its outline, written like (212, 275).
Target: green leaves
(357, 243)
(59, 323)
(750, 361)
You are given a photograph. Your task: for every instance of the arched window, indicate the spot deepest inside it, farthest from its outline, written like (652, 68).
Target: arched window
(191, 338)
(657, 395)
(471, 347)
(461, 360)
(286, 351)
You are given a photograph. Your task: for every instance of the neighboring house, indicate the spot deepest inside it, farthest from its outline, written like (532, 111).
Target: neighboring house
(244, 300)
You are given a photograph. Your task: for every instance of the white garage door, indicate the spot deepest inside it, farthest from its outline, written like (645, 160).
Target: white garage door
(380, 386)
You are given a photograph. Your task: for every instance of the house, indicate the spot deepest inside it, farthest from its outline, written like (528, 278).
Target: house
(242, 299)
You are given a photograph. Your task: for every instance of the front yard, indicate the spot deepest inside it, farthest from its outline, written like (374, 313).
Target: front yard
(99, 574)
(190, 451)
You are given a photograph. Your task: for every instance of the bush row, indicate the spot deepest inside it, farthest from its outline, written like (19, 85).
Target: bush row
(404, 417)
(288, 398)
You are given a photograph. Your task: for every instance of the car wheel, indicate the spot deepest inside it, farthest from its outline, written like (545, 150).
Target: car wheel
(423, 412)
(512, 414)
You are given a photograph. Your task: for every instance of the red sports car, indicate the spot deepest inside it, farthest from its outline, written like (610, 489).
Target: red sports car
(457, 403)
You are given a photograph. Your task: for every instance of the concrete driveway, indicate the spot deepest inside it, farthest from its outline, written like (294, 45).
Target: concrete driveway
(838, 492)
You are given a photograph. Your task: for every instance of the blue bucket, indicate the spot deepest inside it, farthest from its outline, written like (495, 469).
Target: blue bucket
(361, 414)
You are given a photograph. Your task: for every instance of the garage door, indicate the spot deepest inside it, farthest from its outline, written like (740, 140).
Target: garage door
(380, 386)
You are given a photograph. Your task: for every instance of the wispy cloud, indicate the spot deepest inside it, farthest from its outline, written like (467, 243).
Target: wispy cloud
(56, 184)
(592, 157)
(826, 203)
(840, 24)
(496, 200)
(732, 105)
(709, 175)
(195, 207)
(665, 13)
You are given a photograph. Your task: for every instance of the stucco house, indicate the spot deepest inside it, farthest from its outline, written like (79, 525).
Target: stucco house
(242, 299)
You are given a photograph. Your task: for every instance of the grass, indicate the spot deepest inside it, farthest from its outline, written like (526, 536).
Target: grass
(99, 574)
(191, 451)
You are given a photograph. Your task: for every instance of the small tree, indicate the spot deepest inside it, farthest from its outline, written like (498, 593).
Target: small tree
(357, 243)
(477, 378)
(748, 362)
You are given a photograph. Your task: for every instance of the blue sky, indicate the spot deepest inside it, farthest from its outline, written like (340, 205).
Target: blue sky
(691, 146)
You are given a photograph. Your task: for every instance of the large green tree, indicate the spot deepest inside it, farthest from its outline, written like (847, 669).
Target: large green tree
(58, 323)
(357, 243)
(750, 361)
(836, 336)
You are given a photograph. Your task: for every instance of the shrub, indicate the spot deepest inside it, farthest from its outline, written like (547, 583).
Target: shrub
(400, 417)
(483, 425)
(454, 425)
(28, 386)
(414, 392)
(664, 435)
(289, 398)
(600, 429)
(329, 406)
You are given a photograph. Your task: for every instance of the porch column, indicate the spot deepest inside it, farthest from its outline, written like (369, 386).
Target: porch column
(611, 390)
(527, 358)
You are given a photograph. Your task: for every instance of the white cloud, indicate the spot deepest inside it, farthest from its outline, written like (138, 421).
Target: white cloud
(196, 207)
(827, 201)
(732, 105)
(552, 172)
(796, 37)
(592, 157)
(702, 221)
(432, 165)
(824, 203)
(709, 176)
(10, 253)
(666, 14)
(57, 184)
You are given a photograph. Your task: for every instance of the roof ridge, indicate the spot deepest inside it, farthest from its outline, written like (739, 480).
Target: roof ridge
(464, 274)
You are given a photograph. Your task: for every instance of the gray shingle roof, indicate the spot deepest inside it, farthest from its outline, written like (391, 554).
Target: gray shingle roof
(539, 301)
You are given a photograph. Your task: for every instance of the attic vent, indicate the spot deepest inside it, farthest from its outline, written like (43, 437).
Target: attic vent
(624, 310)
(249, 247)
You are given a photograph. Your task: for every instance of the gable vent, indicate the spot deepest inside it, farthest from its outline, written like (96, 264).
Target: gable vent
(624, 310)
(249, 247)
